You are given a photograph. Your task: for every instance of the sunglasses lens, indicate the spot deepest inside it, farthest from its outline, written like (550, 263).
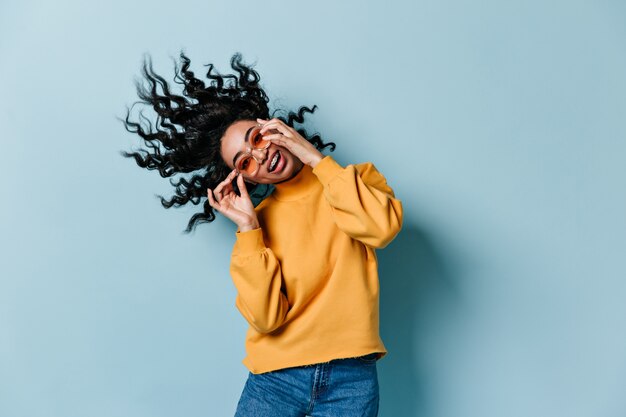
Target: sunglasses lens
(247, 165)
(257, 140)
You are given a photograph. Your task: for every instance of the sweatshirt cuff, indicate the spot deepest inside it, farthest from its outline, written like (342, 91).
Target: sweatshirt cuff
(249, 242)
(327, 169)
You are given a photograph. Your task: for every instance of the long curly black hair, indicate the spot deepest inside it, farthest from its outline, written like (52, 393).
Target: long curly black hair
(186, 137)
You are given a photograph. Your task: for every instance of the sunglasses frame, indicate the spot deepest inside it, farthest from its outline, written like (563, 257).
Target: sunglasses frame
(248, 152)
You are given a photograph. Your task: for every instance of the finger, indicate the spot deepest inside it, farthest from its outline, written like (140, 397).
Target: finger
(277, 138)
(230, 177)
(212, 201)
(278, 125)
(218, 193)
(223, 194)
(273, 119)
(225, 182)
(242, 187)
(229, 193)
(219, 190)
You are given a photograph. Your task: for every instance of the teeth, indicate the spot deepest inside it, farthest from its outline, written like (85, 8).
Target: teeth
(274, 160)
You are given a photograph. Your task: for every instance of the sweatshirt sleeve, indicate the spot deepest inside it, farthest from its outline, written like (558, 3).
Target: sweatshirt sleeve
(363, 205)
(257, 276)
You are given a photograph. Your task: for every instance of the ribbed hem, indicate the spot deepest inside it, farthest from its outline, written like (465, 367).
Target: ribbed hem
(276, 362)
(249, 241)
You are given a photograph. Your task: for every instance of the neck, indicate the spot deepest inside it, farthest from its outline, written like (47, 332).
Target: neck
(295, 172)
(297, 186)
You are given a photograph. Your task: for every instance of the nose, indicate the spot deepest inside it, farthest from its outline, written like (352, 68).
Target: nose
(261, 154)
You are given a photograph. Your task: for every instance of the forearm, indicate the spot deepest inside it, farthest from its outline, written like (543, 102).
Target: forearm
(363, 205)
(257, 275)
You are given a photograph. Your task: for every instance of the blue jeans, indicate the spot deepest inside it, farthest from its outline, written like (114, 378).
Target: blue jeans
(339, 388)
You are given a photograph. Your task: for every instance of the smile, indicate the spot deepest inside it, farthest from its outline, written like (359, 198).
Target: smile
(274, 162)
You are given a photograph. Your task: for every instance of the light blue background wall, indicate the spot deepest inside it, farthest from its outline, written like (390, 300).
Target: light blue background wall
(499, 124)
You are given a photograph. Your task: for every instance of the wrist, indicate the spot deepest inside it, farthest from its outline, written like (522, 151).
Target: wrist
(315, 159)
(249, 226)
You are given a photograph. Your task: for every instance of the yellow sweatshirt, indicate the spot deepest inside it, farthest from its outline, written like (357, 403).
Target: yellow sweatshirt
(307, 279)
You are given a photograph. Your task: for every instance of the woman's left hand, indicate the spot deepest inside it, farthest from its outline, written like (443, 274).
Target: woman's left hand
(289, 138)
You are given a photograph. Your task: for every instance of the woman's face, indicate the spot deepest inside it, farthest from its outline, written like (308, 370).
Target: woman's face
(235, 146)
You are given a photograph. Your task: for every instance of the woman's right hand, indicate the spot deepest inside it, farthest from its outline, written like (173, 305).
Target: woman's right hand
(237, 208)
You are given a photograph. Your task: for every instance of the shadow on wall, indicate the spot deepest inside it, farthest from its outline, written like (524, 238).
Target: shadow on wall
(415, 285)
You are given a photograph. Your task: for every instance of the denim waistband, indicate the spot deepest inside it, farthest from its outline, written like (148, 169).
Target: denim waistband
(367, 356)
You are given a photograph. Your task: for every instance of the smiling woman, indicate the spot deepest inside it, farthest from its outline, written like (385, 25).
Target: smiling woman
(191, 129)
(256, 157)
(304, 261)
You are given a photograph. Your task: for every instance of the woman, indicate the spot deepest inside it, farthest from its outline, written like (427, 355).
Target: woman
(304, 262)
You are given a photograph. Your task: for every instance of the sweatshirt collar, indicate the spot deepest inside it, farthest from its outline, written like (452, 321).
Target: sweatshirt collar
(298, 186)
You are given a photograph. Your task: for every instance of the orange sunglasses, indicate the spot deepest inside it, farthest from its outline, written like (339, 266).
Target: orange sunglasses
(247, 163)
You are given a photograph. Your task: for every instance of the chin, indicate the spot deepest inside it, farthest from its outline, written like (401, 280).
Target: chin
(290, 170)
